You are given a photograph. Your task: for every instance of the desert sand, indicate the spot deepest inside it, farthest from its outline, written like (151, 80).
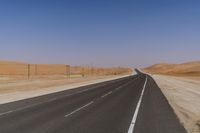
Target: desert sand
(180, 83)
(183, 94)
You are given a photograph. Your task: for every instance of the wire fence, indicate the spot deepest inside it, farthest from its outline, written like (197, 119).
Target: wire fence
(30, 70)
(35, 70)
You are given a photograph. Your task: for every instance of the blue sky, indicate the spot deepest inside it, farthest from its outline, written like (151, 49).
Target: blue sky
(134, 33)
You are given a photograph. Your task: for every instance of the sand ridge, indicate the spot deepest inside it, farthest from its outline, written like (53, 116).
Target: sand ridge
(184, 69)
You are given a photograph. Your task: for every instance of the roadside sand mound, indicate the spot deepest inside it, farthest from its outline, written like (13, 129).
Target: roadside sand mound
(183, 94)
(185, 69)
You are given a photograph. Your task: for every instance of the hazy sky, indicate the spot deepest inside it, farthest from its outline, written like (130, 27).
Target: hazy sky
(100, 32)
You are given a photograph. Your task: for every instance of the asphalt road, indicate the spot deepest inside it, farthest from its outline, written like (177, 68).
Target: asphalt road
(132, 104)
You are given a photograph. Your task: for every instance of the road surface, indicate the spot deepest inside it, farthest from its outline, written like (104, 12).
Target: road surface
(133, 104)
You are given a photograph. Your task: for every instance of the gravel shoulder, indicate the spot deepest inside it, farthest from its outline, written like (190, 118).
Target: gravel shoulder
(183, 94)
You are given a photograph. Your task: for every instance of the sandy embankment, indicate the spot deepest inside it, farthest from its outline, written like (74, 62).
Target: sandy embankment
(183, 94)
(18, 90)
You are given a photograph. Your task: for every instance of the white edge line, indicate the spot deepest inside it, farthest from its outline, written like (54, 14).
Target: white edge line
(53, 99)
(79, 109)
(132, 125)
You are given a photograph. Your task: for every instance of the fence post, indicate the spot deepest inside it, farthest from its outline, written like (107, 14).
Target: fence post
(67, 70)
(66, 73)
(35, 69)
(28, 71)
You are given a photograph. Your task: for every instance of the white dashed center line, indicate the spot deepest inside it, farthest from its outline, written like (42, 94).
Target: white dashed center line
(107, 94)
(79, 109)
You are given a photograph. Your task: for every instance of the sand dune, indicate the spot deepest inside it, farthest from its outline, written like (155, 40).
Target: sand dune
(184, 69)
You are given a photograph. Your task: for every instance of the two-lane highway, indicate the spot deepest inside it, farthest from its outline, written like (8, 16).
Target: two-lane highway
(118, 106)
